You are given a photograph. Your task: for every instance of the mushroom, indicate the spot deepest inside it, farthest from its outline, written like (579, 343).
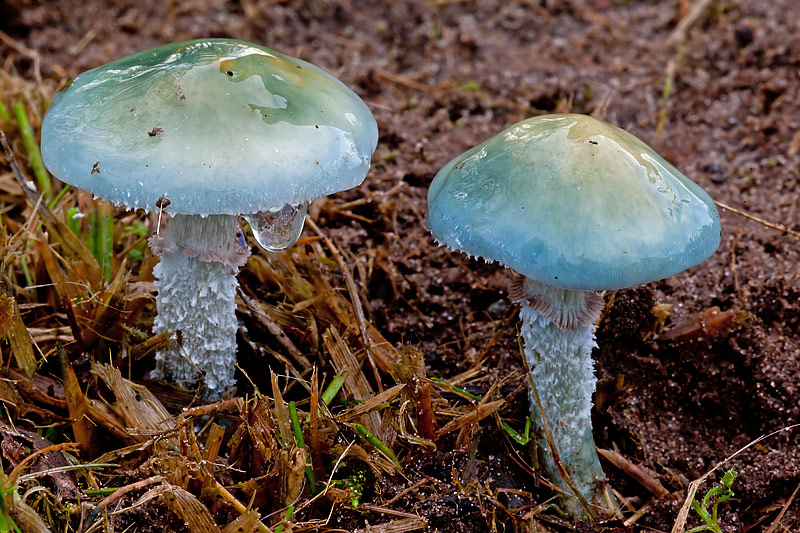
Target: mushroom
(208, 130)
(576, 206)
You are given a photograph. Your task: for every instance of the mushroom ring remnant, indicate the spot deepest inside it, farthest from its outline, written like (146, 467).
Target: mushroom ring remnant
(575, 205)
(219, 128)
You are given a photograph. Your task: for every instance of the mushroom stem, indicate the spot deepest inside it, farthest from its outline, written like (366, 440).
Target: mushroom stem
(558, 330)
(196, 281)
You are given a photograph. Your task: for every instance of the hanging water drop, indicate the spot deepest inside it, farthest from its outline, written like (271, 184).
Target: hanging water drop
(278, 230)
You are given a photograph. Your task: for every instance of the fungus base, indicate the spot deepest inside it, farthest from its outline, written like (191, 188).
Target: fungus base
(196, 280)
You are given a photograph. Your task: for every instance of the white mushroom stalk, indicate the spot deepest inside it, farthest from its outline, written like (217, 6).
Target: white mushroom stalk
(196, 280)
(558, 328)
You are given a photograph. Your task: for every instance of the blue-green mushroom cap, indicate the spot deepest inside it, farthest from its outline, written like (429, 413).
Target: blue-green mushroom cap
(573, 202)
(215, 126)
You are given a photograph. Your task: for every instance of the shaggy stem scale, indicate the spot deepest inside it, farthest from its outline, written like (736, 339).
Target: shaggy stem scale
(196, 281)
(558, 330)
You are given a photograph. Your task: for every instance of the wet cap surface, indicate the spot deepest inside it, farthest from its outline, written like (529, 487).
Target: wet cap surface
(215, 126)
(573, 202)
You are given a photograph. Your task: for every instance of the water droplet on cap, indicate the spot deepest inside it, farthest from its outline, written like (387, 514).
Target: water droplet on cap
(277, 231)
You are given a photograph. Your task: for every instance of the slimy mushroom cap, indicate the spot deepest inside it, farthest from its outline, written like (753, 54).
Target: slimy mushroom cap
(216, 126)
(575, 203)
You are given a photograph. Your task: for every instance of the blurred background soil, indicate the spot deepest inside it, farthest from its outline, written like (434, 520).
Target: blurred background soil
(692, 368)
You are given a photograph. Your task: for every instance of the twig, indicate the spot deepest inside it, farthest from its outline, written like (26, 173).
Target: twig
(35, 56)
(635, 472)
(761, 221)
(680, 31)
(669, 79)
(677, 39)
(405, 81)
(230, 498)
(774, 525)
(390, 512)
(405, 491)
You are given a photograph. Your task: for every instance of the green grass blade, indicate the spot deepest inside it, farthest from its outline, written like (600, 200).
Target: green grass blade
(60, 194)
(101, 240)
(365, 434)
(298, 438)
(333, 389)
(35, 157)
(458, 390)
(73, 222)
(287, 517)
(521, 439)
(4, 112)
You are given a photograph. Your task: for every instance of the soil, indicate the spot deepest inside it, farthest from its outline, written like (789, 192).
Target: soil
(709, 359)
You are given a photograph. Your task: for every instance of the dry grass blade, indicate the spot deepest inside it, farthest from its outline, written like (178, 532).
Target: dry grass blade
(213, 443)
(78, 407)
(332, 308)
(35, 388)
(355, 383)
(376, 461)
(313, 428)
(103, 416)
(137, 406)
(66, 291)
(9, 395)
(228, 497)
(292, 467)
(635, 472)
(35, 56)
(407, 522)
(7, 311)
(373, 403)
(12, 478)
(276, 331)
(281, 413)
(355, 299)
(475, 415)
(194, 514)
(411, 371)
(151, 345)
(17, 335)
(109, 302)
(116, 495)
(245, 523)
(679, 33)
(397, 526)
